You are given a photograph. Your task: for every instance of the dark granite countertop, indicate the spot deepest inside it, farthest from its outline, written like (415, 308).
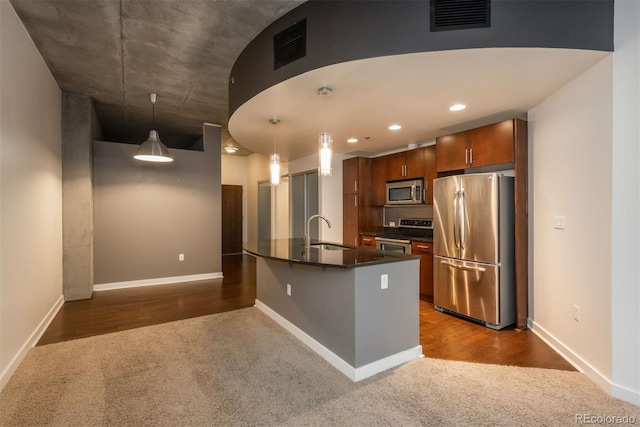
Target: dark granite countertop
(293, 250)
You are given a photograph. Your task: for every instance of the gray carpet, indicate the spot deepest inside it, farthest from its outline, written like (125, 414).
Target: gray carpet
(241, 368)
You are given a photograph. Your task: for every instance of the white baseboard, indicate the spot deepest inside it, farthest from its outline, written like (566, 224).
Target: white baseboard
(30, 343)
(355, 374)
(156, 281)
(570, 356)
(615, 390)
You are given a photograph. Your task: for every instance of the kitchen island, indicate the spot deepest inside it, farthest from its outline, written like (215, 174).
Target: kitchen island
(356, 307)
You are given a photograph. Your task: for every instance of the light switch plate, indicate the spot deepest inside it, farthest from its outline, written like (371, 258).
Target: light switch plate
(384, 281)
(559, 222)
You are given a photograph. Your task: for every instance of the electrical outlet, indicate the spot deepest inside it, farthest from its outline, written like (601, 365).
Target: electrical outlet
(288, 289)
(576, 312)
(180, 257)
(384, 281)
(559, 222)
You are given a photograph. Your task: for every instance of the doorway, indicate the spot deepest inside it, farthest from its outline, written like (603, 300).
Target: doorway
(231, 219)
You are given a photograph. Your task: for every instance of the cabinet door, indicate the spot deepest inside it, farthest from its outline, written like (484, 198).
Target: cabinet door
(395, 166)
(425, 250)
(414, 163)
(492, 144)
(429, 172)
(378, 181)
(452, 151)
(350, 224)
(368, 241)
(350, 176)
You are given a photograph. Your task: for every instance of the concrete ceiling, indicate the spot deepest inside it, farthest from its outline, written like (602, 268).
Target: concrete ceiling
(117, 52)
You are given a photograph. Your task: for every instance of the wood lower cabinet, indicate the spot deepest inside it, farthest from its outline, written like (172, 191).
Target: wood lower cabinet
(368, 241)
(425, 250)
(350, 220)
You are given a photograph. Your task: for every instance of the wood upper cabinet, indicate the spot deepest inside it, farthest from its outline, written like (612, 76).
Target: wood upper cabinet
(487, 145)
(405, 165)
(429, 172)
(378, 181)
(452, 151)
(493, 144)
(350, 172)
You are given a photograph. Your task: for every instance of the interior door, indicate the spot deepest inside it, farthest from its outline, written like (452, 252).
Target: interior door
(231, 219)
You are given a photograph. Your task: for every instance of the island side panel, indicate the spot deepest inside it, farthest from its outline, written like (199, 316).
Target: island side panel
(321, 302)
(387, 320)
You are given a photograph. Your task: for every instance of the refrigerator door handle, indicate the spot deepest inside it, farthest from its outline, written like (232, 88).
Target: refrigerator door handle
(455, 220)
(463, 214)
(463, 267)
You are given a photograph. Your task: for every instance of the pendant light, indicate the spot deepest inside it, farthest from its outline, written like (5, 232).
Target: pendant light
(325, 139)
(274, 162)
(153, 150)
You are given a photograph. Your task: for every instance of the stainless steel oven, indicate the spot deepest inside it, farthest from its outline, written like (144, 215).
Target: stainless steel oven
(394, 245)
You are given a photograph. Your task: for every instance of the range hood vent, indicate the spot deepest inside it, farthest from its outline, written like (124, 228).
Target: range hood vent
(447, 15)
(290, 45)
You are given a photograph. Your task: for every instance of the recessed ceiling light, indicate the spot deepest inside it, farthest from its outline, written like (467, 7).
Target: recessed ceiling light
(352, 140)
(230, 149)
(457, 107)
(395, 127)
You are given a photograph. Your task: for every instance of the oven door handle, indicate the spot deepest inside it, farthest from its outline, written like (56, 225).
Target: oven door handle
(384, 240)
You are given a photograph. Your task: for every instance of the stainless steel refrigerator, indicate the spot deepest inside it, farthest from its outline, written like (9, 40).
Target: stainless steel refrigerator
(473, 241)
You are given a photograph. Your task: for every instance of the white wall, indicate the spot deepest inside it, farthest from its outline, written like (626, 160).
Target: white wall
(257, 170)
(235, 172)
(625, 292)
(573, 141)
(30, 194)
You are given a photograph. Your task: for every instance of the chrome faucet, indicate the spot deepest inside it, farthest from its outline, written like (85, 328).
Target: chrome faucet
(306, 240)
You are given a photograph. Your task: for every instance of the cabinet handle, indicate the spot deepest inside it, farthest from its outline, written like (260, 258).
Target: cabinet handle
(466, 156)
(471, 155)
(355, 186)
(355, 241)
(422, 247)
(355, 201)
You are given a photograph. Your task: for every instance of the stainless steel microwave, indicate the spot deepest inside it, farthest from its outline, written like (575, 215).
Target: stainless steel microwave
(405, 192)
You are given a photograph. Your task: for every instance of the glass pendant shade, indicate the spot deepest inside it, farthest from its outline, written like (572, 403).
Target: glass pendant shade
(274, 169)
(153, 150)
(326, 152)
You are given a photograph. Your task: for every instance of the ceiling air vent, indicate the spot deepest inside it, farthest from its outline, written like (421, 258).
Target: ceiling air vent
(447, 15)
(290, 45)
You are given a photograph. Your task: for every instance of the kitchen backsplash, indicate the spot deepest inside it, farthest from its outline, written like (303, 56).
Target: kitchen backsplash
(392, 214)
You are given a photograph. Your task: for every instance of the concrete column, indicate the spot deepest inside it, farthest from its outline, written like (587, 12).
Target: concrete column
(78, 124)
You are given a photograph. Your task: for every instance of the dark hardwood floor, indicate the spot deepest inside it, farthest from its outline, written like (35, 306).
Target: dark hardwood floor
(442, 336)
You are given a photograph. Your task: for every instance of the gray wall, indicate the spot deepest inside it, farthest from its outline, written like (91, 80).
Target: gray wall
(344, 309)
(146, 214)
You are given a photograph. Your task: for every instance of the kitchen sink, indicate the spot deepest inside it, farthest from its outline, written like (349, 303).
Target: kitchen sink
(329, 246)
